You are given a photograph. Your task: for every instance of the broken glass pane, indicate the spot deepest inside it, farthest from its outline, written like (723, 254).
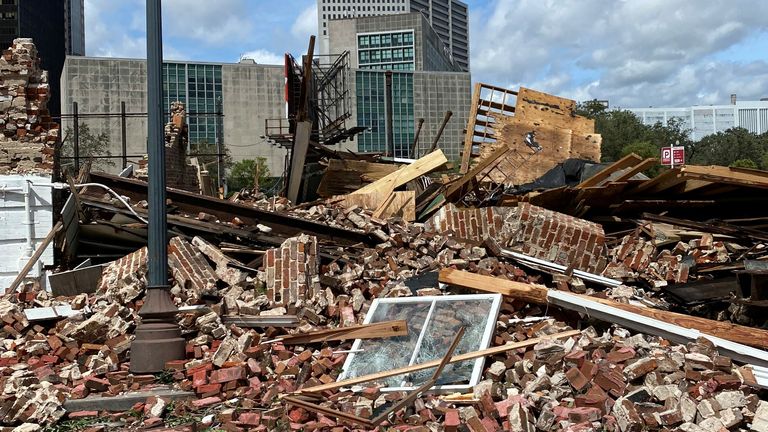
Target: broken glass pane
(432, 325)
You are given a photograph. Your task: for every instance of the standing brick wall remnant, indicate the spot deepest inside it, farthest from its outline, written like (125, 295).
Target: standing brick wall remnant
(178, 173)
(531, 230)
(560, 238)
(292, 270)
(28, 133)
(190, 268)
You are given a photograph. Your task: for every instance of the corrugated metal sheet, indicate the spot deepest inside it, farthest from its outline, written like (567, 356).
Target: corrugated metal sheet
(13, 231)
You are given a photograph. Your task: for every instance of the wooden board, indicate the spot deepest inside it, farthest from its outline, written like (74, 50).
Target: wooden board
(346, 176)
(540, 295)
(553, 111)
(637, 169)
(470, 134)
(364, 331)
(627, 161)
(400, 203)
(735, 176)
(422, 166)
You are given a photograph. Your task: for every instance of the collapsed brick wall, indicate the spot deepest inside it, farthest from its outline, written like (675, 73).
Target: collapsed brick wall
(28, 132)
(292, 270)
(531, 230)
(178, 173)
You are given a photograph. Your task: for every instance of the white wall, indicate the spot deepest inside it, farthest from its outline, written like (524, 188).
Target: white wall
(13, 231)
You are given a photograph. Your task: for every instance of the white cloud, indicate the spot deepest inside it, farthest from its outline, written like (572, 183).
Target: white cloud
(629, 52)
(305, 24)
(262, 56)
(217, 23)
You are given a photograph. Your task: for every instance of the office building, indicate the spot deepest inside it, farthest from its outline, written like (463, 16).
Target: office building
(57, 28)
(401, 66)
(710, 119)
(448, 18)
(246, 94)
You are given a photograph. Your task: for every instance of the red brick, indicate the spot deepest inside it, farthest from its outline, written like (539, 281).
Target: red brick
(451, 421)
(227, 374)
(576, 378)
(201, 403)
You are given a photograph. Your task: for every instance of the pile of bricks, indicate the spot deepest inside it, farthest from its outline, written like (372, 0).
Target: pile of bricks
(638, 258)
(28, 132)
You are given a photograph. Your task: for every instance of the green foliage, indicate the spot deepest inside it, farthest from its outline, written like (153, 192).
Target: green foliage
(645, 150)
(243, 173)
(165, 376)
(90, 145)
(727, 147)
(74, 424)
(743, 163)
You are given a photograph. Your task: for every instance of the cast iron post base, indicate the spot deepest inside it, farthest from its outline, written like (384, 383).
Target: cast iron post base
(158, 337)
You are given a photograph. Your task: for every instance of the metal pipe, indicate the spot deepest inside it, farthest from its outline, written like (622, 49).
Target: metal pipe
(388, 113)
(433, 147)
(76, 137)
(123, 134)
(29, 221)
(158, 262)
(158, 337)
(591, 277)
(416, 138)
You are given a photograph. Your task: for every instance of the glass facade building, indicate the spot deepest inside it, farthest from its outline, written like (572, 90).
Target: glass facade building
(199, 87)
(372, 111)
(386, 50)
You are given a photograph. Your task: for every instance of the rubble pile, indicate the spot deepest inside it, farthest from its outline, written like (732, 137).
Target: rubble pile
(273, 298)
(28, 132)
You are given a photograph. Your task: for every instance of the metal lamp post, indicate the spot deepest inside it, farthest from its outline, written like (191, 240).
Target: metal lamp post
(158, 337)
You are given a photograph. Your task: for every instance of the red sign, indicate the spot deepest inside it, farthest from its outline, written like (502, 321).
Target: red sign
(673, 155)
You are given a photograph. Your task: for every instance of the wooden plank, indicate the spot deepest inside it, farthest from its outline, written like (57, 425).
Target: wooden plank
(298, 156)
(422, 166)
(457, 188)
(625, 162)
(735, 176)
(540, 295)
(642, 166)
(35, 256)
(553, 111)
(467, 152)
(365, 331)
(346, 176)
(400, 203)
(430, 364)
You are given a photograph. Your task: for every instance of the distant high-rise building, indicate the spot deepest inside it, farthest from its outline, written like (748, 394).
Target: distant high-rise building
(403, 72)
(448, 18)
(57, 28)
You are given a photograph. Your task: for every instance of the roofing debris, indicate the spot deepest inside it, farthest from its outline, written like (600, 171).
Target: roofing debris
(609, 302)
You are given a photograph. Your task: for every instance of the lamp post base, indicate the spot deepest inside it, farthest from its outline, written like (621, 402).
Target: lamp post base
(154, 345)
(158, 337)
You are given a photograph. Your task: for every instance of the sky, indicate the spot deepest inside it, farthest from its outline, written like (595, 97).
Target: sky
(633, 53)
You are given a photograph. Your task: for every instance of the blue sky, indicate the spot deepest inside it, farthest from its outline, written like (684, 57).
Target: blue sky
(631, 52)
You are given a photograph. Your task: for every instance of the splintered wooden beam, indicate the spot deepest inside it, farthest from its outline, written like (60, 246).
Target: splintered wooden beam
(735, 176)
(636, 317)
(365, 331)
(430, 364)
(627, 161)
(642, 166)
(422, 166)
(469, 137)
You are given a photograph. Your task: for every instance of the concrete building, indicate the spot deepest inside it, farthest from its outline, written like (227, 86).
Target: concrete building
(448, 18)
(57, 28)
(707, 120)
(245, 94)
(425, 82)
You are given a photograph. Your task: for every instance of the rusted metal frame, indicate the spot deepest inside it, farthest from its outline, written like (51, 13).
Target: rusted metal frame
(439, 134)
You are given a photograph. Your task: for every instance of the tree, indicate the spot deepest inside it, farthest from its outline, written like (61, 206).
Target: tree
(727, 147)
(743, 163)
(645, 150)
(90, 145)
(243, 173)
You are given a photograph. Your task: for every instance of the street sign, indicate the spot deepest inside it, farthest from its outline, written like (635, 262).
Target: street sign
(672, 156)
